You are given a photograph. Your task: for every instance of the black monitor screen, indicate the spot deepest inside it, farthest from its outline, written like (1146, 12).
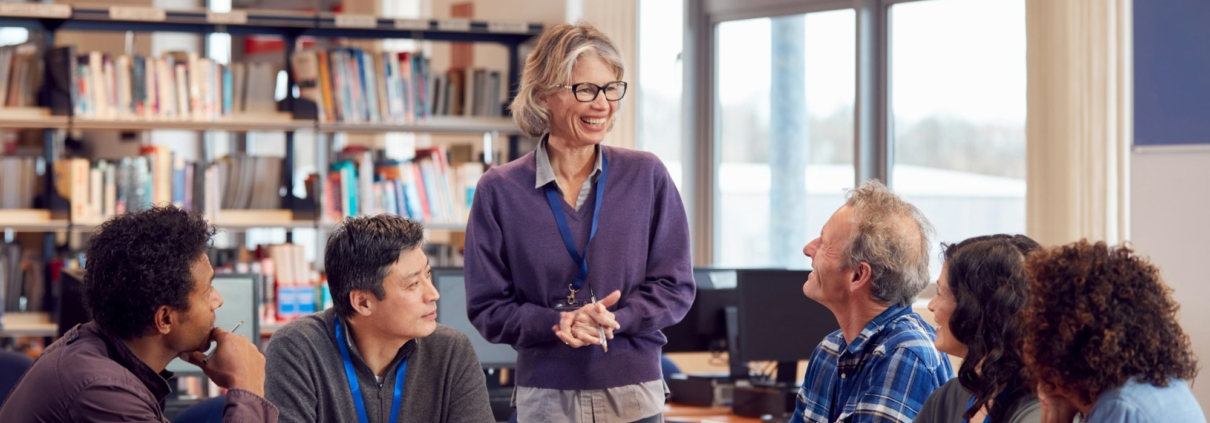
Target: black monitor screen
(776, 321)
(704, 326)
(71, 311)
(451, 311)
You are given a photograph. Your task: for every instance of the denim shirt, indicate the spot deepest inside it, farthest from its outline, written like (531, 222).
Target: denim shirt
(1144, 403)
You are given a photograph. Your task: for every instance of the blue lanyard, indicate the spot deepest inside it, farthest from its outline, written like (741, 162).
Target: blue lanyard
(986, 419)
(358, 401)
(556, 206)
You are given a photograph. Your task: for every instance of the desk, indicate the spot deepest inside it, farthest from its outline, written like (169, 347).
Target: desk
(28, 324)
(676, 413)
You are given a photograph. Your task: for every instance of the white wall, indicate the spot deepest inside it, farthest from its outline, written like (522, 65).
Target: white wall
(1169, 223)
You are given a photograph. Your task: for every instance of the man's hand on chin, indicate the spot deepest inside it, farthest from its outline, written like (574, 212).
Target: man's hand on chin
(235, 362)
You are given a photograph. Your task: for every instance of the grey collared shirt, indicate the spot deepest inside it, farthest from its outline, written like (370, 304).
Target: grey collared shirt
(546, 173)
(623, 404)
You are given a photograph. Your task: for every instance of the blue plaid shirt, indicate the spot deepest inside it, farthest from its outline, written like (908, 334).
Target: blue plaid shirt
(883, 376)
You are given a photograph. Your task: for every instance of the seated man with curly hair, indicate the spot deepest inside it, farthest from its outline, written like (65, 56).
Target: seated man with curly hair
(1102, 340)
(147, 288)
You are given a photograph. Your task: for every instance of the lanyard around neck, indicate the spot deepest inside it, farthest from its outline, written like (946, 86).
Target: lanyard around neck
(556, 207)
(986, 419)
(355, 387)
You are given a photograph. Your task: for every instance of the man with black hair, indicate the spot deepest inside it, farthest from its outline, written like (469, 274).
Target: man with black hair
(147, 288)
(379, 354)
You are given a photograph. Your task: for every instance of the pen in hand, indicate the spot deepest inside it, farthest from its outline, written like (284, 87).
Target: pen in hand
(600, 329)
(237, 325)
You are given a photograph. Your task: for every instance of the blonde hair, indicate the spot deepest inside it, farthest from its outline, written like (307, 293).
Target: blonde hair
(551, 63)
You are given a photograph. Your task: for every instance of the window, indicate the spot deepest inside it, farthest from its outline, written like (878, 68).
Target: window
(958, 104)
(658, 82)
(785, 88)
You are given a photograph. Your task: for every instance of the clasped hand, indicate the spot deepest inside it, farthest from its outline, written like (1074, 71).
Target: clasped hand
(1056, 407)
(579, 328)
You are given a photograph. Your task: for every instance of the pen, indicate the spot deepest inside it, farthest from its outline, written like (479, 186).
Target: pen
(237, 325)
(600, 330)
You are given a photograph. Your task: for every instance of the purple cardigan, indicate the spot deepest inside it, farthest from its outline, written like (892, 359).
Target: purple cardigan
(517, 267)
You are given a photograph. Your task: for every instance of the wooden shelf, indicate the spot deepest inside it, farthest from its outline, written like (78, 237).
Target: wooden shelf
(435, 124)
(34, 220)
(231, 124)
(37, 324)
(40, 119)
(30, 118)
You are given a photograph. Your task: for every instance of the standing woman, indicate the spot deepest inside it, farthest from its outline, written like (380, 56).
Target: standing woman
(572, 222)
(982, 289)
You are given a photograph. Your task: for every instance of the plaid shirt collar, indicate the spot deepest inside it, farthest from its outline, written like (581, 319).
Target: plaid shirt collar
(873, 328)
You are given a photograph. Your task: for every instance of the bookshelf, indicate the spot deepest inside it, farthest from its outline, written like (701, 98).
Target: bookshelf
(52, 214)
(435, 124)
(290, 25)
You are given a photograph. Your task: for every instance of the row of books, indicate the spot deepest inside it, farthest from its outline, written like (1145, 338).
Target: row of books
(467, 92)
(297, 289)
(102, 189)
(427, 188)
(19, 181)
(250, 182)
(21, 277)
(99, 190)
(292, 288)
(352, 85)
(345, 84)
(20, 75)
(174, 86)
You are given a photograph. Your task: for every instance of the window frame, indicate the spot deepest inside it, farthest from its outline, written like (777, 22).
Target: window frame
(873, 149)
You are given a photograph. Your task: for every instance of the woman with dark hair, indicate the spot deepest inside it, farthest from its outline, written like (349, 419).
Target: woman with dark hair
(981, 292)
(1102, 340)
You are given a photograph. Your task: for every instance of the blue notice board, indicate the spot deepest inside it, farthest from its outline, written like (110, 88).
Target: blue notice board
(1171, 72)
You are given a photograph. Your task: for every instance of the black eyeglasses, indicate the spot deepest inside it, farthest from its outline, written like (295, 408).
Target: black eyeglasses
(587, 92)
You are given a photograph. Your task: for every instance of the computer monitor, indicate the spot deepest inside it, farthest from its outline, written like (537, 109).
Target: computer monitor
(451, 311)
(704, 328)
(775, 321)
(70, 311)
(241, 300)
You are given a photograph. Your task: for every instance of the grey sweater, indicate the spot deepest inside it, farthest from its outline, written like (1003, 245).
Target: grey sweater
(305, 378)
(949, 402)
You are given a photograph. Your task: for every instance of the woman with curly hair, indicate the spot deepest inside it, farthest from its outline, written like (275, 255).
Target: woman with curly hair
(980, 294)
(1101, 338)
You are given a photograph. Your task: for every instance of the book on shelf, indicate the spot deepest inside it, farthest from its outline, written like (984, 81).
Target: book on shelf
(355, 86)
(19, 181)
(21, 74)
(249, 182)
(22, 277)
(426, 188)
(101, 189)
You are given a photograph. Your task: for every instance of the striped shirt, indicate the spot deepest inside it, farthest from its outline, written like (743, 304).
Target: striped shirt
(885, 375)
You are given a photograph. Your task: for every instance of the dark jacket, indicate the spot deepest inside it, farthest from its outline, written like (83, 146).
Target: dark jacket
(91, 376)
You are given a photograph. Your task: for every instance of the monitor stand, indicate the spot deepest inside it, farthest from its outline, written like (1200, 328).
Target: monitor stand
(753, 398)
